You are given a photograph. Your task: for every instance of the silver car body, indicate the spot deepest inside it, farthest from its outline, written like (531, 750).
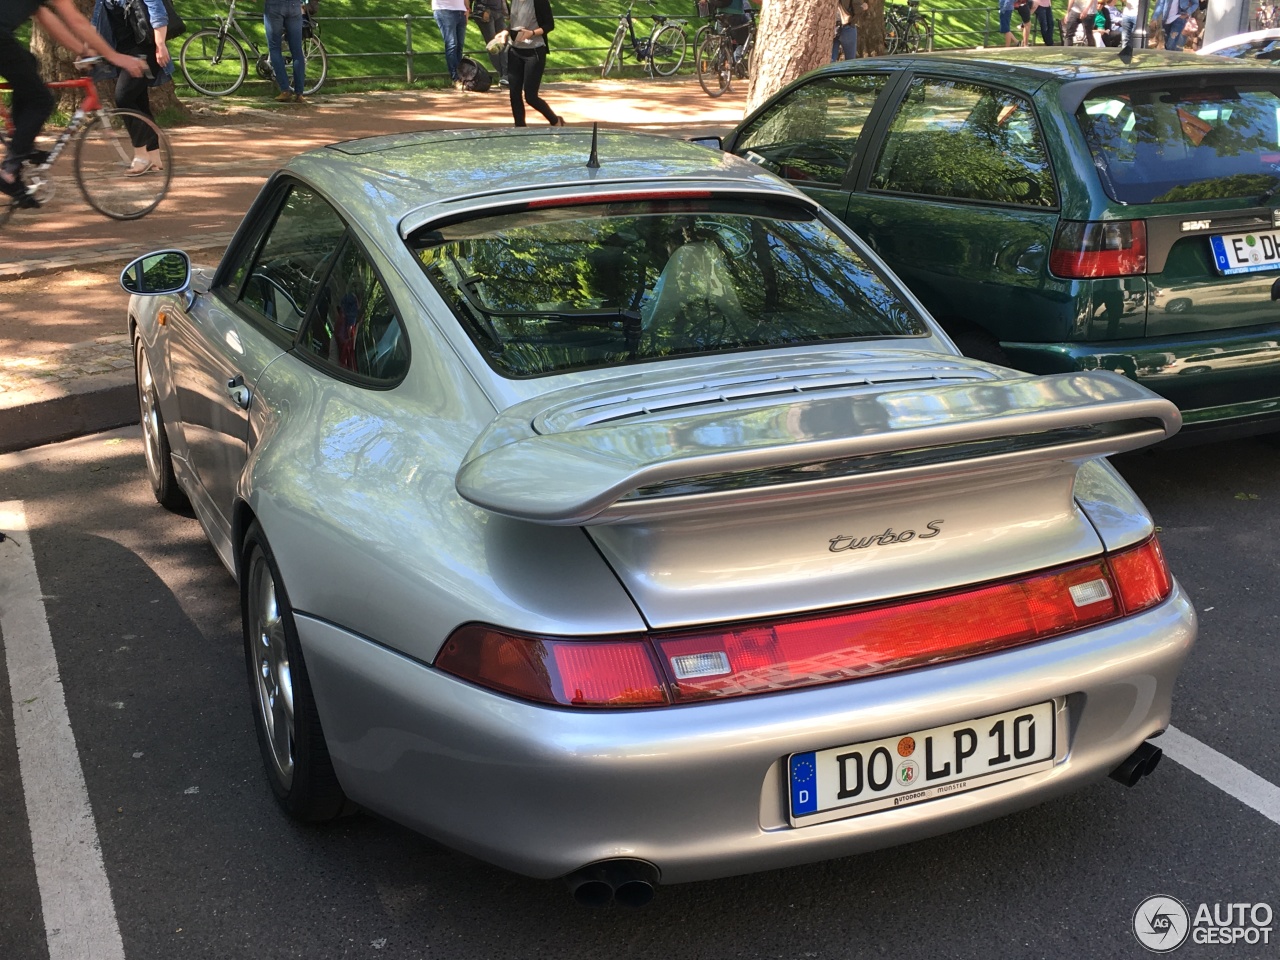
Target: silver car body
(461, 496)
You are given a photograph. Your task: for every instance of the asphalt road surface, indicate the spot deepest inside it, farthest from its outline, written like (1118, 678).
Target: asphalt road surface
(194, 859)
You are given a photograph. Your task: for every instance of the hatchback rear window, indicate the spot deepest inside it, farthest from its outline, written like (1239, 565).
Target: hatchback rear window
(1195, 143)
(562, 288)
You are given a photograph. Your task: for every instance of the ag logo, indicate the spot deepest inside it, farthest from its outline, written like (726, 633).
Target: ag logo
(1161, 924)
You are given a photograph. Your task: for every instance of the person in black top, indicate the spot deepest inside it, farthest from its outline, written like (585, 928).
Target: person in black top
(31, 101)
(531, 21)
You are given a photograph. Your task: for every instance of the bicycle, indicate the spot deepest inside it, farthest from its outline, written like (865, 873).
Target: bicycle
(214, 63)
(103, 152)
(720, 58)
(662, 51)
(905, 28)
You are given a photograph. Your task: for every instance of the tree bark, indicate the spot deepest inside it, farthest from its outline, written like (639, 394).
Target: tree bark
(871, 31)
(792, 37)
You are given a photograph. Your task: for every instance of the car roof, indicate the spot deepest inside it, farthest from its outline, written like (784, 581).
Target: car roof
(1032, 66)
(409, 178)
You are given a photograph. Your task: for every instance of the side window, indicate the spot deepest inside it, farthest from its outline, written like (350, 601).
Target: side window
(967, 142)
(811, 135)
(354, 325)
(292, 260)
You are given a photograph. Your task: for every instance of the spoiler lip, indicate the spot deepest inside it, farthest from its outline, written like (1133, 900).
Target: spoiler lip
(817, 445)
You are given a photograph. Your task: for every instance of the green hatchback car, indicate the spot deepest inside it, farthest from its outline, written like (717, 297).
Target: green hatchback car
(1063, 209)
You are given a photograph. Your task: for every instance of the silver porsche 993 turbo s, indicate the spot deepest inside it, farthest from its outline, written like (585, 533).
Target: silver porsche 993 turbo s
(607, 510)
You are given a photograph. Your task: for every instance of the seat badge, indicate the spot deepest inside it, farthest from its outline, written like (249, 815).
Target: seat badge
(1189, 225)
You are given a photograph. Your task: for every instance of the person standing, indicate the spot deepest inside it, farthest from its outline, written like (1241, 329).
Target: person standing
(1080, 13)
(1006, 21)
(281, 19)
(1128, 23)
(451, 18)
(1044, 19)
(134, 93)
(531, 21)
(31, 101)
(1172, 16)
(849, 14)
(491, 16)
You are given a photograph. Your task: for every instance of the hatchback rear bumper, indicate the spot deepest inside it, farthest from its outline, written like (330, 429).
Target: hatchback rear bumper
(700, 790)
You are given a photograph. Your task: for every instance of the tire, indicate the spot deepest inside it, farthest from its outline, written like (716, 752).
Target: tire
(213, 64)
(317, 65)
(104, 151)
(155, 437)
(714, 65)
(615, 51)
(292, 742)
(912, 39)
(667, 48)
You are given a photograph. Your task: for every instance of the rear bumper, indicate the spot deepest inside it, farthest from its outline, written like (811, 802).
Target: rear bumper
(1224, 379)
(700, 790)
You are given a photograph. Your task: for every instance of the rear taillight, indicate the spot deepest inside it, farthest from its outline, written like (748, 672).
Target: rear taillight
(804, 651)
(1101, 248)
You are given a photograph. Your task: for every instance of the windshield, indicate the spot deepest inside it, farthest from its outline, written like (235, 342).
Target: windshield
(577, 287)
(1170, 144)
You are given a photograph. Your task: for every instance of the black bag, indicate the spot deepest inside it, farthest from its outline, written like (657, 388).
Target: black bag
(473, 76)
(177, 26)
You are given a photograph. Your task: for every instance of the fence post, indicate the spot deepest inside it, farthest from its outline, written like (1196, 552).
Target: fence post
(408, 47)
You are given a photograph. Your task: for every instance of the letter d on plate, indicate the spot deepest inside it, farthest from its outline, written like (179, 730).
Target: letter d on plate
(803, 774)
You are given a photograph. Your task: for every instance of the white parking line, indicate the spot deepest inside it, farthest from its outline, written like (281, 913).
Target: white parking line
(75, 896)
(1223, 772)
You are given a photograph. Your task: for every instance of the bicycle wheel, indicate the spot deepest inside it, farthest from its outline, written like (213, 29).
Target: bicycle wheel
(667, 49)
(213, 63)
(104, 151)
(714, 65)
(317, 64)
(615, 50)
(912, 39)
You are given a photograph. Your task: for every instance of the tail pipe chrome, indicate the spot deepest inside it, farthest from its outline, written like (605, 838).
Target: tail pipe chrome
(628, 882)
(1139, 764)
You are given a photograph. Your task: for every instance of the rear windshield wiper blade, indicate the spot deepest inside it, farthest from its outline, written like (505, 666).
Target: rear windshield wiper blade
(581, 317)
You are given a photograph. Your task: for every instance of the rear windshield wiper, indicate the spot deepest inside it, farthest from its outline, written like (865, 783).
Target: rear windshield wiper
(581, 317)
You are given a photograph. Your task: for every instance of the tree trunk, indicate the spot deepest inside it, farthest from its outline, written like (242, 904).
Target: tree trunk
(792, 37)
(871, 32)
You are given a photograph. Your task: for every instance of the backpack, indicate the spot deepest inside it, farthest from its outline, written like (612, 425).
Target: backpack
(472, 76)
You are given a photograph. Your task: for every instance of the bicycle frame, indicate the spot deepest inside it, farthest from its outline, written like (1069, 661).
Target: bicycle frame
(88, 107)
(229, 23)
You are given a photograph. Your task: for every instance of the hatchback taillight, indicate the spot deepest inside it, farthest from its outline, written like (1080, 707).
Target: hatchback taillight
(745, 659)
(1085, 250)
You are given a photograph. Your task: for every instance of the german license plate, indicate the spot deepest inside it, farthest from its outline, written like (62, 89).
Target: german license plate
(1246, 252)
(923, 765)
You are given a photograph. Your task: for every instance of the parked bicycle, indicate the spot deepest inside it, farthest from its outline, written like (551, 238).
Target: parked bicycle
(662, 51)
(906, 29)
(721, 56)
(103, 153)
(214, 62)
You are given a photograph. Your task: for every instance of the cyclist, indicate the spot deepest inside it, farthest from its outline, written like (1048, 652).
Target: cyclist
(31, 101)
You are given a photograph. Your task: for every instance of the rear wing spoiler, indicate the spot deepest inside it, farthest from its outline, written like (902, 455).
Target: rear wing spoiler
(637, 469)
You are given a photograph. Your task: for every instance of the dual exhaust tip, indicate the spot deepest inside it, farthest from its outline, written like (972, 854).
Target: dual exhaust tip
(627, 882)
(631, 883)
(1139, 764)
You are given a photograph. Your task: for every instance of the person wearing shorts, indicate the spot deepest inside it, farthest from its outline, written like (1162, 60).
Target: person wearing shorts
(1023, 10)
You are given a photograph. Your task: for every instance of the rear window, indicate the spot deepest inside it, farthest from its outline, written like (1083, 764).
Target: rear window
(1171, 144)
(562, 288)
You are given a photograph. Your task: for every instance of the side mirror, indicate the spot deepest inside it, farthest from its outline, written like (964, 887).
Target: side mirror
(712, 143)
(165, 271)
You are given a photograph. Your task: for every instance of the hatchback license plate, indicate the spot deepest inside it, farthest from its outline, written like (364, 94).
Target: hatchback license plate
(909, 768)
(1246, 252)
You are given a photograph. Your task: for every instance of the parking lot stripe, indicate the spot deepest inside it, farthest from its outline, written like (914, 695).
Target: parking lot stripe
(1223, 772)
(75, 896)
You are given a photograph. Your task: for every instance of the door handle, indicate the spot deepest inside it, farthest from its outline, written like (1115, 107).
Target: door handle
(238, 392)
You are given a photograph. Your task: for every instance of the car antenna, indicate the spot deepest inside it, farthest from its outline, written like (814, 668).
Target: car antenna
(593, 161)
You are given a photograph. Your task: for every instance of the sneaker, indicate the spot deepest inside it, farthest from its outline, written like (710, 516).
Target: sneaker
(284, 96)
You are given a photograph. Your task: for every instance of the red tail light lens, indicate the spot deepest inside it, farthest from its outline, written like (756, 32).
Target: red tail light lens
(1084, 250)
(595, 673)
(803, 651)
